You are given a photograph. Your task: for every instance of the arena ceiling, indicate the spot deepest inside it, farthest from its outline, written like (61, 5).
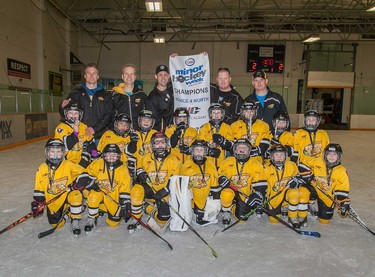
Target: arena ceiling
(124, 21)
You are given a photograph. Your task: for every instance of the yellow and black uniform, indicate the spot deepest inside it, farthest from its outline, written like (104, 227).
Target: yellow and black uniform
(110, 137)
(286, 139)
(144, 145)
(181, 147)
(334, 181)
(295, 200)
(202, 181)
(113, 181)
(206, 133)
(257, 134)
(310, 145)
(75, 142)
(52, 181)
(246, 177)
(158, 171)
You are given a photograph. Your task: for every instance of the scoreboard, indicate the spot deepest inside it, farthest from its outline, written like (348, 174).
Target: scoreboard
(269, 58)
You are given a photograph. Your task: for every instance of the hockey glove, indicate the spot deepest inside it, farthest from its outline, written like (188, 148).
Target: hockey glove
(219, 139)
(254, 200)
(344, 207)
(159, 195)
(255, 151)
(131, 165)
(214, 152)
(142, 176)
(180, 128)
(223, 182)
(295, 182)
(37, 208)
(274, 141)
(125, 210)
(84, 181)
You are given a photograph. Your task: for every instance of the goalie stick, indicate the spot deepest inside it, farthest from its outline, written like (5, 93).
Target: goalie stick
(52, 230)
(353, 215)
(213, 252)
(30, 214)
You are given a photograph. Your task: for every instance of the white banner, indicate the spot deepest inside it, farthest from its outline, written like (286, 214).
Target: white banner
(190, 76)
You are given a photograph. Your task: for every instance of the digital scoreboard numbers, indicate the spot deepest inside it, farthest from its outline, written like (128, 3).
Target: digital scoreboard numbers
(269, 58)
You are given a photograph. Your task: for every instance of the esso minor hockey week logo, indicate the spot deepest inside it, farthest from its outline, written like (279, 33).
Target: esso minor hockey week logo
(191, 75)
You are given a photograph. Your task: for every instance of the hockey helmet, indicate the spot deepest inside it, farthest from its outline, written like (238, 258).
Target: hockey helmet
(278, 154)
(73, 112)
(311, 120)
(159, 144)
(112, 155)
(249, 110)
(145, 120)
(332, 154)
(199, 151)
(242, 150)
(54, 152)
(216, 113)
(280, 122)
(122, 124)
(181, 114)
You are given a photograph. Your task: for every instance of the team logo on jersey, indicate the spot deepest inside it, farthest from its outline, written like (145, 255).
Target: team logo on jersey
(159, 178)
(321, 183)
(279, 185)
(57, 186)
(311, 151)
(100, 98)
(145, 149)
(226, 104)
(105, 185)
(240, 181)
(60, 130)
(197, 181)
(271, 106)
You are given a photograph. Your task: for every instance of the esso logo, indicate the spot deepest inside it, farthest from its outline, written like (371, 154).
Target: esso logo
(190, 62)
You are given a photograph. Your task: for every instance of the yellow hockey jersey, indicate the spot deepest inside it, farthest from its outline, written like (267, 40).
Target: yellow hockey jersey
(201, 186)
(259, 130)
(144, 145)
(110, 137)
(205, 133)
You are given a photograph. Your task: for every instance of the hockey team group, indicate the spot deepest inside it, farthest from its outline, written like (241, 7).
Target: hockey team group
(232, 167)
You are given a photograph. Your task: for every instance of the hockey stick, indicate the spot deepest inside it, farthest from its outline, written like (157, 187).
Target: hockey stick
(140, 221)
(253, 210)
(30, 214)
(353, 215)
(300, 232)
(213, 252)
(150, 229)
(52, 230)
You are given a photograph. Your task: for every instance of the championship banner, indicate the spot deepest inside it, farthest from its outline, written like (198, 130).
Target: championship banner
(190, 76)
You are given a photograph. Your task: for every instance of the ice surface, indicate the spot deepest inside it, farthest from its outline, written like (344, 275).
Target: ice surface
(254, 248)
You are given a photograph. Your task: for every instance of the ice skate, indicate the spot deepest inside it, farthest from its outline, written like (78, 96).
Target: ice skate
(76, 230)
(133, 225)
(312, 209)
(90, 224)
(227, 217)
(294, 223)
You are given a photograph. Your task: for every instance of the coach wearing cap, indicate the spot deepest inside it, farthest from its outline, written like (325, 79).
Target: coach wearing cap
(160, 100)
(267, 101)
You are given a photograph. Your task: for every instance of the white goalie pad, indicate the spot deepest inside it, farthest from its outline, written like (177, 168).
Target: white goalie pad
(180, 199)
(212, 209)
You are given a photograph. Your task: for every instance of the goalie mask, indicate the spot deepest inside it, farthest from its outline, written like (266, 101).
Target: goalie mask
(278, 155)
(145, 120)
(122, 124)
(249, 112)
(199, 151)
(181, 115)
(216, 113)
(280, 122)
(112, 156)
(54, 151)
(73, 113)
(311, 120)
(241, 150)
(159, 145)
(332, 155)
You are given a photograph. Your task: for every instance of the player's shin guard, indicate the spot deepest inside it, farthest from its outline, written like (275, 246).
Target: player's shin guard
(304, 196)
(75, 202)
(93, 201)
(137, 195)
(226, 198)
(292, 196)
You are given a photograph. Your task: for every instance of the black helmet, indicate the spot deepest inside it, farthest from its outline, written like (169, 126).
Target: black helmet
(181, 113)
(114, 160)
(241, 155)
(159, 152)
(277, 148)
(308, 126)
(249, 106)
(217, 107)
(199, 159)
(280, 116)
(73, 107)
(332, 147)
(145, 114)
(122, 117)
(54, 159)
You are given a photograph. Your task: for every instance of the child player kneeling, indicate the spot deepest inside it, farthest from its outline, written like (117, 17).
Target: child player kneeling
(331, 178)
(63, 181)
(203, 181)
(112, 191)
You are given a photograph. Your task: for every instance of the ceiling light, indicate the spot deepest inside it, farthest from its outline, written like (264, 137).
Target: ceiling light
(159, 39)
(311, 38)
(371, 9)
(154, 6)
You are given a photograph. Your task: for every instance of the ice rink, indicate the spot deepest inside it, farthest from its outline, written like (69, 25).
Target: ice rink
(254, 248)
